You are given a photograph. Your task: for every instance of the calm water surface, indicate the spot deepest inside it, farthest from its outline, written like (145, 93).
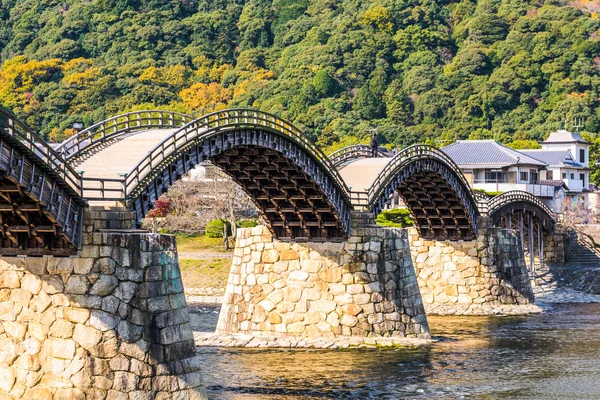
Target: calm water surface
(551, 356)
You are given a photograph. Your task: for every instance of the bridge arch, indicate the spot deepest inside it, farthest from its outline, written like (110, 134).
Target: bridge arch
(41, 204)
(294, 185)
(515, 201)
(114, 128)
(348, 154)
(528, 215)
(433, 188)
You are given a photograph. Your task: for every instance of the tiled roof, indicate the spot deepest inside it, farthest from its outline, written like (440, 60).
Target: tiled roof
(557, 184)
(554, 157)
(563, 136)
(487, 152)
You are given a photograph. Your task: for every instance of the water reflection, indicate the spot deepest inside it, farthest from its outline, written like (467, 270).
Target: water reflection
(554, 355)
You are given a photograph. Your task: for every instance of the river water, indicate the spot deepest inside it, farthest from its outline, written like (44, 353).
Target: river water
(555, 355)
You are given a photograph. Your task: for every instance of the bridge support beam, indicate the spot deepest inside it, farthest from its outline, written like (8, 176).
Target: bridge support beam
(111, 323)
(468, 277)
(365, 286)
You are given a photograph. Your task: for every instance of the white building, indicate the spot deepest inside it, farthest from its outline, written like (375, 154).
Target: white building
(558, 170)
(567, 157)
(492, 167)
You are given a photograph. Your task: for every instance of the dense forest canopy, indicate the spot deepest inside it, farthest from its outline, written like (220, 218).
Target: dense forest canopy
(418, 70)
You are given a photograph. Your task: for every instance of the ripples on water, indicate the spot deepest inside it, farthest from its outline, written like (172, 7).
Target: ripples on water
(555, 355)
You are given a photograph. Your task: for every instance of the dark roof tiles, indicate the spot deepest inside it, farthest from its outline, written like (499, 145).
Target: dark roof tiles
(487, 152)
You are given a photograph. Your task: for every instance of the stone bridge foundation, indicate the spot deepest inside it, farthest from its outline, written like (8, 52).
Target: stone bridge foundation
(465, 277)
(111, 323)
(364, 286)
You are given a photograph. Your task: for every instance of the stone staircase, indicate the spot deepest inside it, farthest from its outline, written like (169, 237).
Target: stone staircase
(581, 250)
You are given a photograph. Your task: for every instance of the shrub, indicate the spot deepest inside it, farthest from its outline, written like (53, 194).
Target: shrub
(214, 228)
(247, 223)
(493, 194)
(162, 207)
(396, 218)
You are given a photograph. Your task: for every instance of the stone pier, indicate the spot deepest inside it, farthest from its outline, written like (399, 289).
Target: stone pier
(111, 323)
(365, 286)
(466, 277)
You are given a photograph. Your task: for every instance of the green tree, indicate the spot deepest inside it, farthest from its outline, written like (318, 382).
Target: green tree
(325, 85)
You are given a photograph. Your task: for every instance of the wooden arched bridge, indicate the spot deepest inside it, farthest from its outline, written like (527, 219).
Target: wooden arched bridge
(301, 193)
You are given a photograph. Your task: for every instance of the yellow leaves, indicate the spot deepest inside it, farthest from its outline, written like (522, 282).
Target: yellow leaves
(263, 75)
(173, 75)
(82, 79)
(77, 64)
(378, 16)
(80, 73)
(57, 135)
(577, 96)
(210, 70)
(241, 88)
(18, 77)
(252, 81)
(216, 72)
(201, 96)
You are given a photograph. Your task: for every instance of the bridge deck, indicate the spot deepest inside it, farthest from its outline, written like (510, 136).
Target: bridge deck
(360, 174)
(122, 155)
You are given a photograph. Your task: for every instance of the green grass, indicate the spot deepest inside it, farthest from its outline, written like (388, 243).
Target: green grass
(212, 272)
(186, 243)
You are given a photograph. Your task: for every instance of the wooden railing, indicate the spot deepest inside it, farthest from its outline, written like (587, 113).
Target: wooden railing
(119, 125)
(196, 130)
(482, 201)
(518, 196)
(405, 157)
(41, 149)
(340, 156)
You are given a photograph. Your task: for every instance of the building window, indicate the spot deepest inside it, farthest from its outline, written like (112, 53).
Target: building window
(564, 175)
(533, 176)
(582, 156)
(495, 176)
(572, 176)
(582, 179)
(549, 175)
(523, 176)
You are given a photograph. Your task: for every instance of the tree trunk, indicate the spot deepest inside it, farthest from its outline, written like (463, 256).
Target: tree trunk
(225, 235)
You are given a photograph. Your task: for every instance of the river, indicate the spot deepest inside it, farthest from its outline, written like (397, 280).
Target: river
(555, 355)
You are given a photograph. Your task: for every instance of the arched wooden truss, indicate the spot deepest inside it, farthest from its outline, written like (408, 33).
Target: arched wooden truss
(296, 188)
(515, 201)
(433, 188)
(350, 153)
(41, 206)
(529, 216)
(107, 131)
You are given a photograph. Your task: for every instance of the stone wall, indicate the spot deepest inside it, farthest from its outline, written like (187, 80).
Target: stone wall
(464, 277)
(110, 324)
(555, 248)
(365, 286)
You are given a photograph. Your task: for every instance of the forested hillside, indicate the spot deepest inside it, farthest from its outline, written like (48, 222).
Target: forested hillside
(417, 69)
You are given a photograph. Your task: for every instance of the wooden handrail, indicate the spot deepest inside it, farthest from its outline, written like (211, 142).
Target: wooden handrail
(119, 125)
(518, 196)
(206, 125)
(41, 149)
(342, 155)
(405, 157)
